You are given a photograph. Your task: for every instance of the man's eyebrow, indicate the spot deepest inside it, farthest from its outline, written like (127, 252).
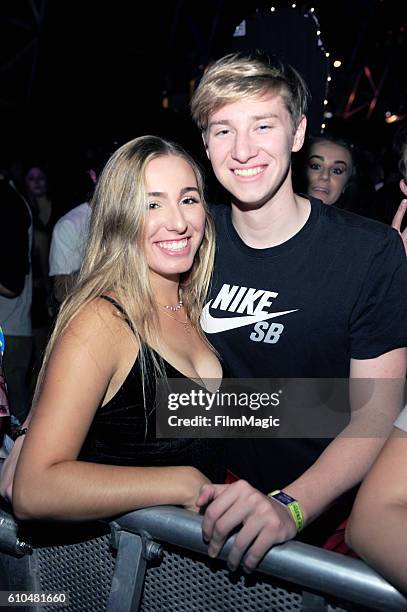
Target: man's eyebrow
(254, 117)
(337, 161)
(266, 116)
(219, 122)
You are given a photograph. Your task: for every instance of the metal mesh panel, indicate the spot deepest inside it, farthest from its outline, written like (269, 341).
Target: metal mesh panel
(186, 583)
(83, 569)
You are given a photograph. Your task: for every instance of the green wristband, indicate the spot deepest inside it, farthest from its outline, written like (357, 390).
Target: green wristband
(292, 504)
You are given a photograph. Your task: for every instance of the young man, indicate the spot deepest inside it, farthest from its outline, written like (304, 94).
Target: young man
(327, 293)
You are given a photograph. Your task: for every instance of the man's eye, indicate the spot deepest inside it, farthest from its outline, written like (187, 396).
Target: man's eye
(223, 132)
(264, 127)
(190, 200)
(152, 205)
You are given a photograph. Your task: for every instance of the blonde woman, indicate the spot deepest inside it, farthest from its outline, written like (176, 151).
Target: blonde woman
(90, 449)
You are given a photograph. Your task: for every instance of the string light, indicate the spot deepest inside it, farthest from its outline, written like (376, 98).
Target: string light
(308, 15)
(337, 63)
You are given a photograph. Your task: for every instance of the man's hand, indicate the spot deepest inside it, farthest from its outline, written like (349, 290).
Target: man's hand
(398, 217)
(264, 522)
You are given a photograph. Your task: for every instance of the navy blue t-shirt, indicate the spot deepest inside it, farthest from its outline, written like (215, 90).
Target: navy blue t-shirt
(336, 290)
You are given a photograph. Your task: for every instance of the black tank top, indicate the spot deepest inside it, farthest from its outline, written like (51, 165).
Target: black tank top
(123, 430)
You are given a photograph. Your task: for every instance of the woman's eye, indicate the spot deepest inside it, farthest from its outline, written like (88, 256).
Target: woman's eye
(313, 166)
(190, 200)
(152, 205)
(337, 170)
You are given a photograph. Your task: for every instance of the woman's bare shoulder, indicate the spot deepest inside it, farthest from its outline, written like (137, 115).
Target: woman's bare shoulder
(98, 328)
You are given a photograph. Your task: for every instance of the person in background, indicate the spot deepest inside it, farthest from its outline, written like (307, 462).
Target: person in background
(330, 169)
(132, 318)
(71, 231)
(399, 221)
(388, 197)
(67, 249)
(377, 526)
(15, 293)
(37, 193)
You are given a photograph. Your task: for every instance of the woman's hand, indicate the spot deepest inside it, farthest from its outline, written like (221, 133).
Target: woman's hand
(194, 481)
(398, 217)
(8, 469)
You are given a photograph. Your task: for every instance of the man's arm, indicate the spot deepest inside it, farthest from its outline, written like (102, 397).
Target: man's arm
(341, 466)
(64, 263)
(6, 292)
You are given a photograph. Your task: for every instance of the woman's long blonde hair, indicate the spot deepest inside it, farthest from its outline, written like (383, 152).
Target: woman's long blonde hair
(115, 262)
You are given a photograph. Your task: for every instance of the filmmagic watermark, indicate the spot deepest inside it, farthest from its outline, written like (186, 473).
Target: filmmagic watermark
(284, 408)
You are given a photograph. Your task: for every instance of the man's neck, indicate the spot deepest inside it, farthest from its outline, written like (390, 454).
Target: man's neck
(272, 224)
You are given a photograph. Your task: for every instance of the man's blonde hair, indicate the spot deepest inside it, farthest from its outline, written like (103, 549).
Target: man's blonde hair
(237, 76)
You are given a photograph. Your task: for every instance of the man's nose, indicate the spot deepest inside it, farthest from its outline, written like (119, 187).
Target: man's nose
(243, 148)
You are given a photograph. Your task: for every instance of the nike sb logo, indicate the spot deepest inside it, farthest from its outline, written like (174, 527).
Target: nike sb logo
(250, 304)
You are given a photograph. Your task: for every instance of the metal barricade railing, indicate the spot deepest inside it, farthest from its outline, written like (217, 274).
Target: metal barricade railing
(155, 560)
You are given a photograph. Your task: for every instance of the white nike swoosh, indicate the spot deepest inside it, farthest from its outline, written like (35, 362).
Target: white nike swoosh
(213, 325)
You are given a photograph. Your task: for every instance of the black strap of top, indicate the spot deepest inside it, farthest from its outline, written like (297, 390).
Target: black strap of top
(119, 308)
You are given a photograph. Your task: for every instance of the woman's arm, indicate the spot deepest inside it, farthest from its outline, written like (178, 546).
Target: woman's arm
(86, 367)
(377, 528)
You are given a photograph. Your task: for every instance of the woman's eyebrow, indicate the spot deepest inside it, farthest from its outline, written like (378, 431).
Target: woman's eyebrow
(163, 194)
(337, 161)
(186, 189)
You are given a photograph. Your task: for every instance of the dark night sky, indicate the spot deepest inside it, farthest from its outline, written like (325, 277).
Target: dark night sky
(98, 70)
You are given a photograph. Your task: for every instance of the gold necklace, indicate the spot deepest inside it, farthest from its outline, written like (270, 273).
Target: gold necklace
(186, 324)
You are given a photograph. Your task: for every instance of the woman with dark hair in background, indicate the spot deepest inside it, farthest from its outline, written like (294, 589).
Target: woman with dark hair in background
(330, 169)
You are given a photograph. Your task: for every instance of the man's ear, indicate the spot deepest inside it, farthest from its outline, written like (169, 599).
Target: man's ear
(299, 134)
(203, 134)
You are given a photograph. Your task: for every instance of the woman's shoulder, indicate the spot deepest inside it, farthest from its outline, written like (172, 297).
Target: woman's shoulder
(100, 323)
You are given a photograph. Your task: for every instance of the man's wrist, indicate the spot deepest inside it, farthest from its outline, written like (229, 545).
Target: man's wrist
(292, 504)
